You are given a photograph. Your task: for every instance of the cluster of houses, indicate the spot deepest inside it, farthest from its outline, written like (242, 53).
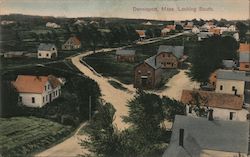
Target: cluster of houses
(225, 129)
(148, 74)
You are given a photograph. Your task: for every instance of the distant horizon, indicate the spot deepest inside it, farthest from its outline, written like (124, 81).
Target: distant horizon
(162, 10)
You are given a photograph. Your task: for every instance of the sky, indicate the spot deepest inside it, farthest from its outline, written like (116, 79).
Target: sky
(143, 9)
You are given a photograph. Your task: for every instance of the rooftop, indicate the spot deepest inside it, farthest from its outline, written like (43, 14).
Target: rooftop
(212, 99)
(245, 57)
(45, 47)
(178, 51)
(151, 62)
(125, 52)
(34, 84)
(244, 47)
(233, 75)
(202, 134)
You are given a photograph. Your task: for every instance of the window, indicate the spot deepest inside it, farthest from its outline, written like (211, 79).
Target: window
(48, 86)
(40, 54)
(246, 66)
(163, 55)
(139, 71)
(47, 55)
(232, 115)
(233, 88)
(149, 72)
(33, 100)
(221, 87)
(45, 88)
(20, 98)
(46, 98)
(189, 109)
(43, 99)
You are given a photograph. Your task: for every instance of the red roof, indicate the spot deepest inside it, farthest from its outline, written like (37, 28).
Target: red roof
(212, 99)
(74, 40)
(34, 84)
(244, 48)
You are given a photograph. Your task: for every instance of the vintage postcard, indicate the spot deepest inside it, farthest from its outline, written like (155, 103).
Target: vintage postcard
(125, 78)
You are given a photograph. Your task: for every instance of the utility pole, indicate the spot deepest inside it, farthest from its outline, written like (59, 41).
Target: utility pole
(89, 108)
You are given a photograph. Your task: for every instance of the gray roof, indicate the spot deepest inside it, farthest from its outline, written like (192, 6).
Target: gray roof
(228, 63)
(244, 57)
(151, 62)
(45, 47)
(205, 34)
(125, 52)
(176, 50)
(200, 133)
(233, 75)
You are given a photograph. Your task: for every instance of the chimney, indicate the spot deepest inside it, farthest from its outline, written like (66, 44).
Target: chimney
(181, 137)
(210, 115)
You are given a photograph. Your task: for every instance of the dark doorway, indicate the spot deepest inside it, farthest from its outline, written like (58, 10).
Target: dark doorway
(144, 81)
(50, 97)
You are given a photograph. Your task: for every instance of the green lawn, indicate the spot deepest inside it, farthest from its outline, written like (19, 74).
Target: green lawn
(21, 136)
(106, 64)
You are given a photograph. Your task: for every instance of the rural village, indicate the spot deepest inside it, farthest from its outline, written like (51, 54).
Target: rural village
(116, 87)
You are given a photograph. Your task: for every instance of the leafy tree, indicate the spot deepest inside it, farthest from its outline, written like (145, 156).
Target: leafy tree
(172, 107)
(197, 101)
(208, 56)
(8, 99)
(178, 27)
(242, 30)
(149, 33)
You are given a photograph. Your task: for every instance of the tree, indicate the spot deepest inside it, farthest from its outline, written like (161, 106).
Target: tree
(178, 27)
(172, 107)
(149, 33)
(8, 99)
(197, 102)
(242, 30)
(103, 139)
(208, 56)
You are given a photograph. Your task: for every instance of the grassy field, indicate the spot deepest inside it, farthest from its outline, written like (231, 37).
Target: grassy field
(106, 64)
(21, 136)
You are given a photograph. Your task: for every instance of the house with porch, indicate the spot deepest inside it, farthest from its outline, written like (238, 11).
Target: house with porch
(202, 137)
(169, 56)
(37, 91)
(125, 55)
(48, 51)
(73, 43)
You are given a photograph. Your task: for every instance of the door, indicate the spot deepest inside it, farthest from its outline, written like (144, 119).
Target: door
(50, 97)
(144, 80)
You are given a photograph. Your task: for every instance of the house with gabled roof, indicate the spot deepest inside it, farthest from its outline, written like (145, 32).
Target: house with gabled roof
(125, 55)
(73, 43)
(48, 51)
(142, 34)
(200, 137)
(147, 75)
(224, 106)
(169, 56)
(36, 91)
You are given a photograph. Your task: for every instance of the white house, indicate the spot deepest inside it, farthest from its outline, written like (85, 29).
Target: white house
(231, 81)
(223, 106)
(200, 137)
(36, 91)
(195, 30)
(52, 25)
(48, 51)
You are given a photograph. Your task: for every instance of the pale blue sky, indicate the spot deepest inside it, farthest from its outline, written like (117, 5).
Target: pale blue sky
(229, 9)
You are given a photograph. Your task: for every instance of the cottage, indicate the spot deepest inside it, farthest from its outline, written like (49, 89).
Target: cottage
(147, 75)
(199, 137)
(165, 31)
(224, 106)
(36, 91)
(142, 34)
(195, 30)
(169, 56)
(125, 55)
(52, 25)
(48, 51)
(73, 43)
(244, 53)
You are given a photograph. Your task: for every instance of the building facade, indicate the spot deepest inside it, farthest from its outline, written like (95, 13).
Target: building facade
(72, 43)
(48, 51)
(125, 55)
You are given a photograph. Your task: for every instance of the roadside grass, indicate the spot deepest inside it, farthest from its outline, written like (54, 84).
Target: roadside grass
(117, 85)
(166, 75)
(22, 136)
(106, 64)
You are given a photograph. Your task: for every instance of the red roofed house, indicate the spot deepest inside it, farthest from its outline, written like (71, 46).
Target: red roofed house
(36, 91)
(224, 106)
(141, 33)
(244, 57)
(72, 44)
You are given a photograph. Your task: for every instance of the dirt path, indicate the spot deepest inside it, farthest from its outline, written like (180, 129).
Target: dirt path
(68, 148)
(176, 84)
